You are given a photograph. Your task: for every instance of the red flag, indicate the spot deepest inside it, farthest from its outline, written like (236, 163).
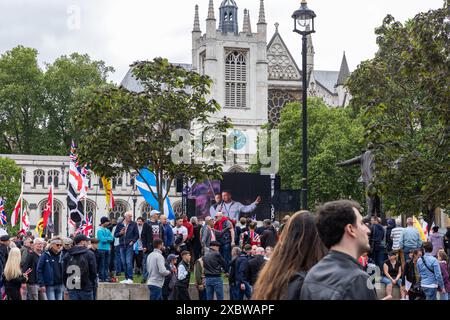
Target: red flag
(48, 208)
(15, 214)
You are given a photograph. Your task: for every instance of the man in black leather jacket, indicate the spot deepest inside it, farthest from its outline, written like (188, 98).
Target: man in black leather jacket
(339, 276)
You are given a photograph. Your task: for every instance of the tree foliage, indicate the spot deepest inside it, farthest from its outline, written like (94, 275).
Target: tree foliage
(333, 135)
(10, 175)
(404, 94)
(36, 104)
(128, 131)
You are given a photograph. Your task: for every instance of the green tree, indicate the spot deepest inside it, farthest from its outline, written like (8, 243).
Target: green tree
(333, 135)
(68, 81)
(36, 105)
(21, 101)
(10, 175)
(127, 131)
(404, 94)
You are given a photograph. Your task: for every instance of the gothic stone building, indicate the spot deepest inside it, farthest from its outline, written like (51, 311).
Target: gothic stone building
(253, 79)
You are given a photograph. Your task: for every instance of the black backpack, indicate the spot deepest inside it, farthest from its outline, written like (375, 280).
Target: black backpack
(80, 261)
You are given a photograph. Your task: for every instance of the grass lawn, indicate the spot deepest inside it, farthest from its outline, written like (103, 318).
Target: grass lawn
(138, 278)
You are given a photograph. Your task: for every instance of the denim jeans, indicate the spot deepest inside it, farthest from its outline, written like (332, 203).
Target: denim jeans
(81, 295)
(103, 271)
(214, 284)
(247, 292)
(444, 296)
(54, 292)
(155, 292)
(202, 295)
(118, 260)
(234, 292)
(127, 254)
(225, 252)
(144, 266)
(430, 293)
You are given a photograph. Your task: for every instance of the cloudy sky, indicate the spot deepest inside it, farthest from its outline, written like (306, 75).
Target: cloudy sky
(122, 31)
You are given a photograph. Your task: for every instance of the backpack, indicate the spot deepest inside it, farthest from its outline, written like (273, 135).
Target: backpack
(77, 261)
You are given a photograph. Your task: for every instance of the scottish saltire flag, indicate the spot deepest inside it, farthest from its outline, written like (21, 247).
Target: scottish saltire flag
(3, 218)
(148, 196)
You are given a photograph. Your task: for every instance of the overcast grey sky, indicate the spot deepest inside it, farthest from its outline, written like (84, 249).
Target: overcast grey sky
(122, 31)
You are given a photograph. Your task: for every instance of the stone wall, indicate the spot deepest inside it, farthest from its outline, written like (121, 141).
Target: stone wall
(117, 291)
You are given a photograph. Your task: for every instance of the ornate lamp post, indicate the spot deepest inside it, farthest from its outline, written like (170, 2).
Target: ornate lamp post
(134, 197)
(304, 25)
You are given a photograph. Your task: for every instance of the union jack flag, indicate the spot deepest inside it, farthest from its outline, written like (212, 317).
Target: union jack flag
(86, 226)
(3, 218)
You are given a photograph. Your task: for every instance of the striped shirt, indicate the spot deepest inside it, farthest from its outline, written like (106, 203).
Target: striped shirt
(396, 234)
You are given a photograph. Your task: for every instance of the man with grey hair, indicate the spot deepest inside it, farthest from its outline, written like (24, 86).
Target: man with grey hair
(207, 234)
(255, 265)
(410, 238)
(128, 233)
(118, 266)
(31, 262)
(49, 270)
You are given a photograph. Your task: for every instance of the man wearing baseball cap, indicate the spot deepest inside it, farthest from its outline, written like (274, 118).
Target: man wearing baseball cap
(105, 239)
(80, 270)
(4, 245)
(214, 264)
(151, 230)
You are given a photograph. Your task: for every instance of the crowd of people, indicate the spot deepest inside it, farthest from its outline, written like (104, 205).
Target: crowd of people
(333, 254)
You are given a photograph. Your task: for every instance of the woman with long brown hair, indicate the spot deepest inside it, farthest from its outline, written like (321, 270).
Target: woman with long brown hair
(297, 251)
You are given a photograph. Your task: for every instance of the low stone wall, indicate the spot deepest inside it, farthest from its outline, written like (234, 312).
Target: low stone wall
(118, 291)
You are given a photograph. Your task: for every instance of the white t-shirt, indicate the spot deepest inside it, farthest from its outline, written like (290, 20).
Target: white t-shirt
(180, 230)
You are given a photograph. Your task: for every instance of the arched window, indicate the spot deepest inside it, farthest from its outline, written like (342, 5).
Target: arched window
(53, 227)
(100, 183)
(24, 176)
(145, 210)
(53, 178)
(91, 208)
(39, 178)
(117, 181)
(132, 181)
(236, 79)
(120, 207)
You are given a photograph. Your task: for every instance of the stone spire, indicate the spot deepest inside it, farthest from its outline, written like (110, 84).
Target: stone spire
(262, 14)
(276, 27)
(344, 72)
(247, 27)
(211, 10)
(196, 21)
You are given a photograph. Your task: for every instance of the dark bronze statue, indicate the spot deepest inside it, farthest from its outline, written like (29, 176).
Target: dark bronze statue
(367, 163)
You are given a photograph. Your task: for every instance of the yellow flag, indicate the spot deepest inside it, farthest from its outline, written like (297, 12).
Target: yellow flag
(108, 192)
(419, 227)
(40, 227)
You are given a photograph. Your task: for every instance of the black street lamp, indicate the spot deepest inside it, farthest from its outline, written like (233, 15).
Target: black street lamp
(304, 25)
(134, 197)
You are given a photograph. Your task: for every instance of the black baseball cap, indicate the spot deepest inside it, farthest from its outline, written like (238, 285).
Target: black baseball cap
(79, 238)
(5, 238)
(104, 220)
(214, 244)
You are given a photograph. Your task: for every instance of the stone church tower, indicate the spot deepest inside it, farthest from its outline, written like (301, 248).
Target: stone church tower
(236, 61)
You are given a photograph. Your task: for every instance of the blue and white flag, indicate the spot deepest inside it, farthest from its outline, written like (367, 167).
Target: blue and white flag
(148, 196)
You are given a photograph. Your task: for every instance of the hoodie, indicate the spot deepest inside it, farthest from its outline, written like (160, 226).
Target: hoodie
(87, 264)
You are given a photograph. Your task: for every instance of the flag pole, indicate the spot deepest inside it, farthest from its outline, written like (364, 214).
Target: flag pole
(53, 208)
(21, 201)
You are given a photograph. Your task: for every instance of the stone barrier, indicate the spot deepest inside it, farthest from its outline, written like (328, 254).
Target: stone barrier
(118, 291)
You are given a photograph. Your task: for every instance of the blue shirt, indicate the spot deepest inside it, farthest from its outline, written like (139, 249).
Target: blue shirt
(410, 238)
(105, 238)
(428, 278)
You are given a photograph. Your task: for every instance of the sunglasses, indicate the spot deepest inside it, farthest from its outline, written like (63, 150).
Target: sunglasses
(58, 245)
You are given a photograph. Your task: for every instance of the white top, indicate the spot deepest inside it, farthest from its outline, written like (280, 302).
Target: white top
(396, 234)
(180, 230)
